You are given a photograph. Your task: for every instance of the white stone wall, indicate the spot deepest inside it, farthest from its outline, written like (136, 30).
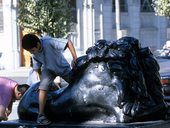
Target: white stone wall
(9, 43)
(151, 30)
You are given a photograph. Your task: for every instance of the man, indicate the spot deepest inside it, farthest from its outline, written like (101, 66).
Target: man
(10, 91)
(47, 55)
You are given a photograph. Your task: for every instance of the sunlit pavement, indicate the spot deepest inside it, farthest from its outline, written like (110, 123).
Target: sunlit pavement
(14, 115)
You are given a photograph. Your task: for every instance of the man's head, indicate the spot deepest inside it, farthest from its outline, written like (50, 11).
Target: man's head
(19, 91)
(31, 43)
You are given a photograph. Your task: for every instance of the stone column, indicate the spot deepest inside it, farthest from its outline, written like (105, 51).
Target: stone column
(10, 43)
(88, 23)
(117, 12)
(80, 42)
(107, 20)
(101, 19)
(134, 18)
(162, 31)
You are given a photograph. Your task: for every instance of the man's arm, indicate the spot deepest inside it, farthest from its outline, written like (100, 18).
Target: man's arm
(9, 109)
(36, 65)
(3, 115)
(73, 51)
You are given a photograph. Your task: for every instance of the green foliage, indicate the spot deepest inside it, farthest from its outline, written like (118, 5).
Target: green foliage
(52, 16)
(162, 7)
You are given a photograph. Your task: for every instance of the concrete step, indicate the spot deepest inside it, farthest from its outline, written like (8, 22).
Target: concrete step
(96, 124)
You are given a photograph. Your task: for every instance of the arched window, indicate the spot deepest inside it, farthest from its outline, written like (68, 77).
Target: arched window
(72, 4)
(146, 6)
(123, 5)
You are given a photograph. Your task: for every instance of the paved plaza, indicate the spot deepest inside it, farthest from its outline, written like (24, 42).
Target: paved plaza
(14, 115)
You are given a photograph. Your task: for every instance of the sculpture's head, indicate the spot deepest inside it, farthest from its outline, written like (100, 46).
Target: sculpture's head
(109, 84)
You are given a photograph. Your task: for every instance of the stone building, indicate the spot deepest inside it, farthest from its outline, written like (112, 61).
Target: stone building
(94, 20)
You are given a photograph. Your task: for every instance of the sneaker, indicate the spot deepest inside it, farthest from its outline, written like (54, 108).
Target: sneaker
(42, 120)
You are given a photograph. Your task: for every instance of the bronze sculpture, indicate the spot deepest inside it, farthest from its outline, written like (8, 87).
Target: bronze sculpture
(114, 82)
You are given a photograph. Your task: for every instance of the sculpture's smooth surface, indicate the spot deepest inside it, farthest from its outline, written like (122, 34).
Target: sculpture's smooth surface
(115, 82)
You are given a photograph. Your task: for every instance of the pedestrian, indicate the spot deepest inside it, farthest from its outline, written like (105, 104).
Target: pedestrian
(47, 55)
(10, 91)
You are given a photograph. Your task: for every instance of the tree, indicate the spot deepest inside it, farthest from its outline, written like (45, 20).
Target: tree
(161, 7)
(51, 16)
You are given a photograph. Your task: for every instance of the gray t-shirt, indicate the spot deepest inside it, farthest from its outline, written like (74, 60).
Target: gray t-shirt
(51, 56)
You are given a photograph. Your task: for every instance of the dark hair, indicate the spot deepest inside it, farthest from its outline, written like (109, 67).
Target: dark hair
(22, 88)
(29, 41)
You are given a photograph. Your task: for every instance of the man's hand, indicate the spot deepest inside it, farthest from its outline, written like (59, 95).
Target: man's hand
(73, 64)
(73, 53)
(8, 112)
(3, 118)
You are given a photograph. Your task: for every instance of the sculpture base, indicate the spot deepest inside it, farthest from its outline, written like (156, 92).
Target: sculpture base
(90, 124)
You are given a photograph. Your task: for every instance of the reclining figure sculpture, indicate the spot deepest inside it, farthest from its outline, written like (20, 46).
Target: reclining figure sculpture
(114, 82)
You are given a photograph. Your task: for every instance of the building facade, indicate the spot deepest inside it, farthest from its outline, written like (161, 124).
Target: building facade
(95, 19)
